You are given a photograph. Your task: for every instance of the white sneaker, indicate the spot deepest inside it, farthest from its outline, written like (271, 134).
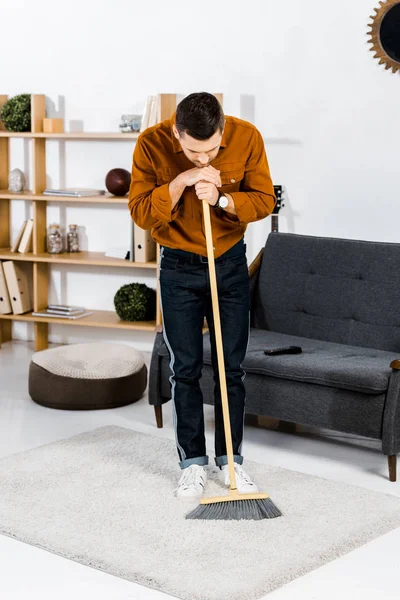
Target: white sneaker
(192, 483)
(243, 482)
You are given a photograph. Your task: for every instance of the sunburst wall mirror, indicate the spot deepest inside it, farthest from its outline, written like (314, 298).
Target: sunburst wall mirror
(385, 34)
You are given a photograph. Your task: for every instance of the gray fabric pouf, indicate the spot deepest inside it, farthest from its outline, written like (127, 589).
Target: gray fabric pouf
(87, 376)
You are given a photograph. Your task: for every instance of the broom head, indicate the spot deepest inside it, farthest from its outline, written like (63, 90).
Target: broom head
(235, 506)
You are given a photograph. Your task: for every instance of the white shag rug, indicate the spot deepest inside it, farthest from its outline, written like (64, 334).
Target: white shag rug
(105, 499)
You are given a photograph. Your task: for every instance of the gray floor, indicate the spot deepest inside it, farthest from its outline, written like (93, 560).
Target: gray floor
(370, 572)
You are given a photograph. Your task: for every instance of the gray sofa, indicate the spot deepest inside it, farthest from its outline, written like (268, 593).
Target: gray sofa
(340, 301)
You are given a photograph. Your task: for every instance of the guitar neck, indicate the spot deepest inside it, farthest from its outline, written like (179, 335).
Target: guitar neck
(278, 189)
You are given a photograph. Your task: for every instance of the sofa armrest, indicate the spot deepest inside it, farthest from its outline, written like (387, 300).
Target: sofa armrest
(254, 271)
(256, 264)
(155, 397)
(391, 415)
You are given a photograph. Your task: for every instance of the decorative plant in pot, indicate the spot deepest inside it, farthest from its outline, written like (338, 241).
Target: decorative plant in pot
(135, 302)
(16, 113)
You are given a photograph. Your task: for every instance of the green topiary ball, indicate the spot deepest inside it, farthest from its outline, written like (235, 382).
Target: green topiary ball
(135, 302)
(16, 113)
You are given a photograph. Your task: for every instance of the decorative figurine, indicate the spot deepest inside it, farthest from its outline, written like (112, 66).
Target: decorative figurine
(16, 181)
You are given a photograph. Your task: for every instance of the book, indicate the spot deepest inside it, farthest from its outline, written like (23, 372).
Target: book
(153, 118)
(117, 252)
(73, 192)
(63, 312)
(46, 313)
(5, 303)
(61, 308)
(18, 239)
(18, 287)
(146, 114)
(26, 241)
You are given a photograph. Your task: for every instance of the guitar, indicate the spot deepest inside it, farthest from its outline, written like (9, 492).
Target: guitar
(278, 189)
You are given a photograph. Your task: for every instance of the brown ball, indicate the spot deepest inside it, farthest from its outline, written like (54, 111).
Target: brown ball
(118, 182)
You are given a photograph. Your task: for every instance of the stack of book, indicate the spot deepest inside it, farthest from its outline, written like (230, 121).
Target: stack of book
(61, 311)
(73, 192)
(15, 294)
(23, 242)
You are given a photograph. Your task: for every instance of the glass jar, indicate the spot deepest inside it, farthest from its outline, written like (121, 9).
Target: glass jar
(73, 239)
(54, 240)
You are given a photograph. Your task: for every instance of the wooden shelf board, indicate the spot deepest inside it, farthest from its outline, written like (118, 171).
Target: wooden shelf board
(72, 135)
(78, 258)
(99, 318)
(28, 195)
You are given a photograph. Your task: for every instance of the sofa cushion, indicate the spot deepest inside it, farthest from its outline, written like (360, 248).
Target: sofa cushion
(322, 363)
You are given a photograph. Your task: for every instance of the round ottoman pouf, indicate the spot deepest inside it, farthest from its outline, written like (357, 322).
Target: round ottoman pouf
(87, 376)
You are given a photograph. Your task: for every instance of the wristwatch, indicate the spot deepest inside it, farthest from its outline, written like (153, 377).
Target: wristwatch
(222, 202)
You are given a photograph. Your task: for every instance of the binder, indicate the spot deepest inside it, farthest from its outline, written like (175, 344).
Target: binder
(18, 287)
(17, 242)
(26, 242)
(132, 243)
(5, 304)
(145, 246)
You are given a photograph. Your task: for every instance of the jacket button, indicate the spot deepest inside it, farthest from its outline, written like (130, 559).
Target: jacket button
(232, 181)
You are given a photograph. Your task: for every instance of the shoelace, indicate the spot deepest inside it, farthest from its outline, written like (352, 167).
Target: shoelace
(191, 476)
(242, 474)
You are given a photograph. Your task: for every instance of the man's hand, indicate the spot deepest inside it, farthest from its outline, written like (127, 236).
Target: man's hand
(207, 191)
(193, 176)
(207, 175)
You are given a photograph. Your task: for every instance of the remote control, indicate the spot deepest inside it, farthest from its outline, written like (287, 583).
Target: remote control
(285, 350)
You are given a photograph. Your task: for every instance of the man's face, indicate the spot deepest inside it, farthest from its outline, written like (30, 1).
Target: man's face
(199, 152)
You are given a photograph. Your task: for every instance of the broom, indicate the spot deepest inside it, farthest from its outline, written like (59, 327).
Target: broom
(234, 505)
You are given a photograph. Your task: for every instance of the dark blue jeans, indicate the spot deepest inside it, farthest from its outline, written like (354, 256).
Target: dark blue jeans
(185, 301)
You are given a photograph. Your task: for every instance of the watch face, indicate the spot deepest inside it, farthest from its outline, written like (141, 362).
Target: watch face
(223, 201)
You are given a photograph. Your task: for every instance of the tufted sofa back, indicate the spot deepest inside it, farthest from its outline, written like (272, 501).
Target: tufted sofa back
(339, 290)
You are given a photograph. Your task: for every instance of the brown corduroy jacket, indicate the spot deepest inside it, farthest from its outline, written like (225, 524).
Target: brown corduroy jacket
(158, 158)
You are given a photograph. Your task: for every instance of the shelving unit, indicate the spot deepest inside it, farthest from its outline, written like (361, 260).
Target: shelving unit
(70, 135)
(99, 318)
(39, 258)
(29, 195)
(81, 258)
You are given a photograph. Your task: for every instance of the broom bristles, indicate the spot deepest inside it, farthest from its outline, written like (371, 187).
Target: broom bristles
(248, 510)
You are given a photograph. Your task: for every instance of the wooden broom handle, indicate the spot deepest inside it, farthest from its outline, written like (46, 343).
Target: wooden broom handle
(218, 341)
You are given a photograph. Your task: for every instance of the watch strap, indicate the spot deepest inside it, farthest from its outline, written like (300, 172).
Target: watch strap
(216, 205)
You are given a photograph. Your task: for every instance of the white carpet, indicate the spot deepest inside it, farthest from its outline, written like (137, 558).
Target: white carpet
(104, 499)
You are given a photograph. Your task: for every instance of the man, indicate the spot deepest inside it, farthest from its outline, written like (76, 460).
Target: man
(200, 154)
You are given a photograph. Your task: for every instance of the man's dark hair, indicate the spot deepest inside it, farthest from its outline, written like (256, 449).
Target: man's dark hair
(199, 115)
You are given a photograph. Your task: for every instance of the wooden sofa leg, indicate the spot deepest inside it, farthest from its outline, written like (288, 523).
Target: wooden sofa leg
(392, 462)
(159, 419)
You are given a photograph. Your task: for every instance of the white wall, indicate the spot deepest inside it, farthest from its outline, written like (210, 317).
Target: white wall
(301, 71)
